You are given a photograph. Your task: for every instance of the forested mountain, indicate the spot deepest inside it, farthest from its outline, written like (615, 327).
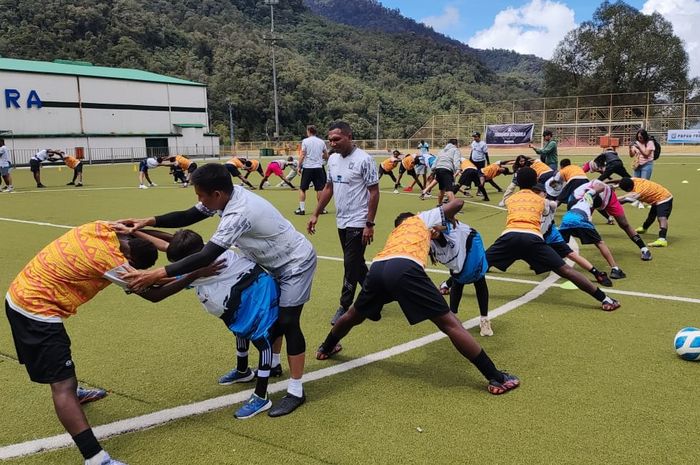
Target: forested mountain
(326, 70)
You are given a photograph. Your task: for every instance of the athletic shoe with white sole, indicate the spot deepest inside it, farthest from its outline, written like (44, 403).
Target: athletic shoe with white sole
(640, 230)
(617, 273)
(646, 255)
(90, 395)
(485, 327)
(660, 242)
(141, 186)
(509, 383)
(235, 376)
(254, 406)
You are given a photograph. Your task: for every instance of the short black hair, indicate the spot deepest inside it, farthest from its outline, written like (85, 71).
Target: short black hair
(453, 141)
(184, 243)
(212, 177)
(644, 134)
(527, 177)
(597, 202)
(142, 253)
(564, 162)
(402, 216)
(342, 126)
(159, 159)
(626, 184)
(546, 133)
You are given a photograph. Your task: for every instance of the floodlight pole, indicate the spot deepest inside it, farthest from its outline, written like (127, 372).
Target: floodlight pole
(377, 135)
(272, 4)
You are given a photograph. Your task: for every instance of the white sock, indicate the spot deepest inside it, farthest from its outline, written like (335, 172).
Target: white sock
(607, 300)
(275, 359)
(295, 387)
(98, 458)
(645, 249)
(302, 205)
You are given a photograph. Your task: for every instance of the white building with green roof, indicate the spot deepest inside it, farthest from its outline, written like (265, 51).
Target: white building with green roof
(105, 113)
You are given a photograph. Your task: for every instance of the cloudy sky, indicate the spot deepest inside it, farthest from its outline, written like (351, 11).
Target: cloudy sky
(536, 26)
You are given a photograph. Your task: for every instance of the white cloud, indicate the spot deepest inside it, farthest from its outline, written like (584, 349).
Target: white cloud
(444, 22)
(684, 15)
(534, 28)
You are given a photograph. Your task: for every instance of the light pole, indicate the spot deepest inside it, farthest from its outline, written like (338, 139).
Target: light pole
(272, 40)
(377, 136)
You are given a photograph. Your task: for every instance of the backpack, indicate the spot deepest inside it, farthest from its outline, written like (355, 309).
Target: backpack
(657, 147)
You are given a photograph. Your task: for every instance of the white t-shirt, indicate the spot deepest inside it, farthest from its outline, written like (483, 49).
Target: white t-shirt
(351, 176)
(254, 226)
(454, 252)
(313, 148)
(605, 196)
(41, 155)
(213, 291)
(479, 150)
(4, 157)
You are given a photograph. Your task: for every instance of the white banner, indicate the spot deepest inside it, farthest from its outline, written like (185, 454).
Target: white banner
(684, 136)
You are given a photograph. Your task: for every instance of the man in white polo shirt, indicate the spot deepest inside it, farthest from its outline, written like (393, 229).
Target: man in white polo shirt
(480, 151)
(313, 152)
(354, 181)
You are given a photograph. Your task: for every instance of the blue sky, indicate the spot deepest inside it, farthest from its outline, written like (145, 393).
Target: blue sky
(537, 26)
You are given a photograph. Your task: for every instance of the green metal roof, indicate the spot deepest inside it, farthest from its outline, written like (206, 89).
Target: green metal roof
(188, 125)
(84, 68)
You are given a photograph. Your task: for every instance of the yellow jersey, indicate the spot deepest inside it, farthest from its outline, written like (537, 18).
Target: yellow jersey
(650, 192)
(71, 162)
(182, 162)
(525, 210)
(411, 239)
(235, 161)
(491, 171)
(540, 167)
(467, 164)
(389, 164)
(408, 162)
(570, 172)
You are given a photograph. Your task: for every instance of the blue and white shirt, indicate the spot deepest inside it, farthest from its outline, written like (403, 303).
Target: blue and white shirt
(351, 176)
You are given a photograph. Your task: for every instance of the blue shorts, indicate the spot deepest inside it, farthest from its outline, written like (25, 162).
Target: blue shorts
(143, 166)
(475, 265)
(258, 309)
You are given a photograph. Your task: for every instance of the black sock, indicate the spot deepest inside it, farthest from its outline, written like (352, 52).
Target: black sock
(87, 444)
(595, 271)
(330, 342)
(261, 383)
(599, 295)
(663, 232)
(638, 240)
(485, 365)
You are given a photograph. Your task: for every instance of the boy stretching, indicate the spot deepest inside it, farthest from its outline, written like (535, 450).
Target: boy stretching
(403, 260)
(656, 195)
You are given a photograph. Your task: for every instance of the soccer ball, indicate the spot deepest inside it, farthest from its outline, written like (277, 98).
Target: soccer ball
(151, 162)
(687, 343)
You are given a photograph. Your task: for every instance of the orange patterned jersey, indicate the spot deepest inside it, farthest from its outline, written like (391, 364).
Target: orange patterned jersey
(650, 192)
(390, 163)
(540, 167)
(68, 272)
(182, 162)
(525, 209)
(235, 161)
(408, 162)
(71, 162)
(571, 171)
(491, 171)
(254, 164)
(411, 239)
(467, 164)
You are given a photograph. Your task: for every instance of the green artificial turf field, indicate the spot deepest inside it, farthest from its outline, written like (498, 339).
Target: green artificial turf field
(596, 387)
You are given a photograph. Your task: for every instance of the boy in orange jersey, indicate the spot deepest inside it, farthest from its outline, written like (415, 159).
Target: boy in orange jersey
(656, 195)
(234, 166)
(570, 177)
(408, 165)
(186, 165)
(67, 273)
(77, 166)
(387, 167)
(253, 166)
(403, 260)
(522, 240)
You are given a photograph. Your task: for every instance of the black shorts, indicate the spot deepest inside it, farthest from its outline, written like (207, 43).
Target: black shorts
(34, 165)
(445, 179)
(411, 172)
(315, 176)
(469, 176)
(479, 164)
(79, 167)
(235, 172)
(585, 235)
(544, 177)
(43, 348)
(561, 248)
(404, 281)
(143, 166)
(663, 210)
(523, 246)
(192, 167)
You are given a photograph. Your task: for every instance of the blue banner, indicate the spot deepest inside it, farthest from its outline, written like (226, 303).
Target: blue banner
(684, 136)
(509, 134)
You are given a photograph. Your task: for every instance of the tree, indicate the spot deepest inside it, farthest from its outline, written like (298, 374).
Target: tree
(619, 50)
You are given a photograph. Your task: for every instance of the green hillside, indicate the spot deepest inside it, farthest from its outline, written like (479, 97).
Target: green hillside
(326, 70)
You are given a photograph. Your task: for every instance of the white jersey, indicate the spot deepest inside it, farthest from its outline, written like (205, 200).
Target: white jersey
(454, 253)
(213, 291)
(479, 151)
(4, 157)
(605, 196)
(313, 148)
(281, 163)
(41, 155)
(254, 226)
(351, 176)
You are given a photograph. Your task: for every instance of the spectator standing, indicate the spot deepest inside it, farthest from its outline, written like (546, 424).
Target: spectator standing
(642, 153)
(548, 152)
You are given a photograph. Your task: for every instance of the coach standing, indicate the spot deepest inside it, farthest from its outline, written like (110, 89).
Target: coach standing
(480, 152)
(354, 181)
(313, 152)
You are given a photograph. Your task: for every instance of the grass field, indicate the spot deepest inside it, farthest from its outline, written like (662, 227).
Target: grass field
(596, 387)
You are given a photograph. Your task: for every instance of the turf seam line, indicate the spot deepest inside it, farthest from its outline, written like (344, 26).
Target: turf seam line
(161, 417)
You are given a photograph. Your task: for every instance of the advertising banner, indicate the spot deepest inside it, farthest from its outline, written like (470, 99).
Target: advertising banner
(509, 134)
(684, 136)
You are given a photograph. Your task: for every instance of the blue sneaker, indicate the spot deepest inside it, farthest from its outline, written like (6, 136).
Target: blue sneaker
(90, 395)
(235, 376)
(106, 460)
(251, 408)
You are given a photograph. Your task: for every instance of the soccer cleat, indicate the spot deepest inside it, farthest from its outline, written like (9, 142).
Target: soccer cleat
(254, 406)
(90, 395)
(640, 230)
(70, 184)
(422, 196)
(610, 306)
(603, 279)
(444, 288)
(275, 372)
(235, 376)
(396, 191)
(80, 184)
(646, 255)
(287, 405)
(153, 184)
(185, 184)
(617, 273)
(509, 383)
(323, 354)
(485, 327)
(501, 203)
(408, 189)
(338, 313)
(660, 242)
(299, 211)
(141, 186)
(107, 460)
(40, 186)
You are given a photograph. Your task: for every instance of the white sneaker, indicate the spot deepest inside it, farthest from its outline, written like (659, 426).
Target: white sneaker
(141, 186)
(153, 184)
(485, 327)
(501, 203)
(396, 191)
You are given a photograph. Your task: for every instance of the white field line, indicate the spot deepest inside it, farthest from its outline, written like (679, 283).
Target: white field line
(164, 416)
(439, 271)
(86, 189)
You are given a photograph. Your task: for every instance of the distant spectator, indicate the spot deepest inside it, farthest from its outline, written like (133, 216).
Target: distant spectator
(423, 147)
(642, 153)
(548, 152)
(5, 167)
(480, 151)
